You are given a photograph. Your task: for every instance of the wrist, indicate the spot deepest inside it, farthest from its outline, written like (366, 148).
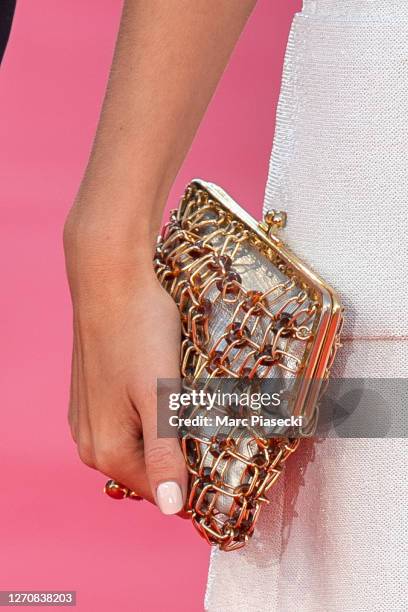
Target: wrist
(114, 240)
(107, 258)
(120, 205)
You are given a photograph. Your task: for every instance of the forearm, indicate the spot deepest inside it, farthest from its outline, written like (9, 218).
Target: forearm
(168, 60)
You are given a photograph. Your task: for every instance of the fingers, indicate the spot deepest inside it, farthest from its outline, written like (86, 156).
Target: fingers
(165, 465)
(127, 469)
(116, 450)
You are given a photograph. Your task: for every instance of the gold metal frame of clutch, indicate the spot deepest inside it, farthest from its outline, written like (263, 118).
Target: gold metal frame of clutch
(249, 307)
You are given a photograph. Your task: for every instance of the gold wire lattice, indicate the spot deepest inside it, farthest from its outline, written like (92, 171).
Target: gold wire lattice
(245, 315)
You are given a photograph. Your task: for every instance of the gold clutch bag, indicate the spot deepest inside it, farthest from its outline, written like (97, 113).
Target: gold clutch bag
(250, 310)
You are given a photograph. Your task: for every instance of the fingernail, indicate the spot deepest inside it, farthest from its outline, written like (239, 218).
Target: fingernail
(169, 497)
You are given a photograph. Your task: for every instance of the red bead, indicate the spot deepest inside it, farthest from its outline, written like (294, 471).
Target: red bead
(115, 490)
(135, 496)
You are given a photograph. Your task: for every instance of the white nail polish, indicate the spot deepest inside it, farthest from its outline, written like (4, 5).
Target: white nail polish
(169, 497)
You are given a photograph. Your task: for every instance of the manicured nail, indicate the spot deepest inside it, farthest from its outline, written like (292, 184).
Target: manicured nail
(169, 497)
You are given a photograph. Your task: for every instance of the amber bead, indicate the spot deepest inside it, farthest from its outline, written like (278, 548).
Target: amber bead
(206, 475)
(245, 525)
(284, 321)
(134, 496)
(199, 249)
(219, 359)
(266, 358)
(236, 334)
(227, 283)
(253, 301)
(222, 262)
(192, 452)
(214, 449)
(227, 444)
(204, 307)
(115, 490)
(196, 280)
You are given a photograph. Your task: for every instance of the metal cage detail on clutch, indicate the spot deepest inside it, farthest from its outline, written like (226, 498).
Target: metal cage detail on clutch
(250, 309)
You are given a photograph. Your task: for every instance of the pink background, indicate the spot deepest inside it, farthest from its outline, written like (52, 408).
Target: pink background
(57, 530)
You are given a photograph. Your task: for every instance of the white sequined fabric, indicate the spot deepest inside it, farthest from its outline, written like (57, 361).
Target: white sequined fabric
(339, 162)
(335, 536)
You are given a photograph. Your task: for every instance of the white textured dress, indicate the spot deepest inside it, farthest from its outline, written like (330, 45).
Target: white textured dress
(334, 537)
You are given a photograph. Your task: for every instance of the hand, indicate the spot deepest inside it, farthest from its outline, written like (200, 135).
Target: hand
(126, 336)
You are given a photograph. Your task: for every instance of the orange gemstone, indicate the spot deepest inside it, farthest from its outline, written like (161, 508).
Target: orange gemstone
(115, 490)
(135, 496)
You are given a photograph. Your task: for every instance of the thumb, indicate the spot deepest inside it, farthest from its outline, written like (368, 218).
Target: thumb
(165, 466)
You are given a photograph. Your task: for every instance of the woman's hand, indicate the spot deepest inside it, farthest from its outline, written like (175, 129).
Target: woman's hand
(126, 336)
(126, 328)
